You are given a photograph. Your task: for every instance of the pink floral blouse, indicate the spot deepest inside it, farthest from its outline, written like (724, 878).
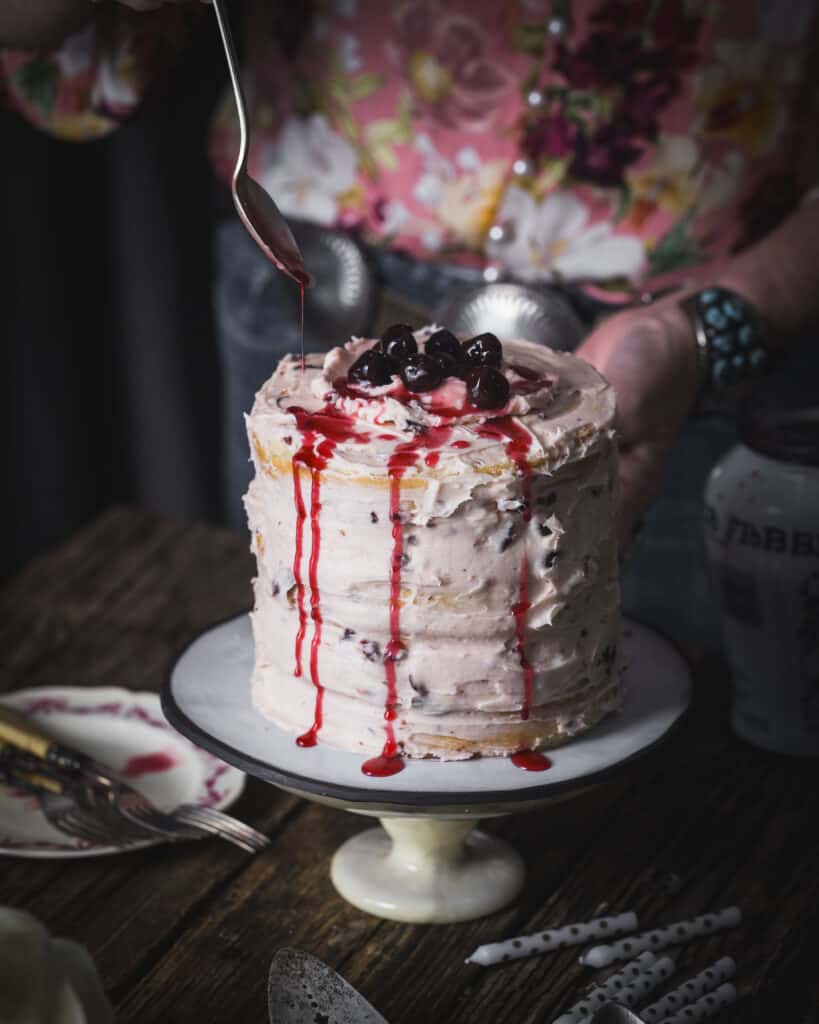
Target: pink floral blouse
(613, 141)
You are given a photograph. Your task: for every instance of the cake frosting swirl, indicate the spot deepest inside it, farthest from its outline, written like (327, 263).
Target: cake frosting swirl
(434, 579)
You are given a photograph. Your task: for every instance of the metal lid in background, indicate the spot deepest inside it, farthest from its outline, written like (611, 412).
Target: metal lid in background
(341, 300)
(542, 316)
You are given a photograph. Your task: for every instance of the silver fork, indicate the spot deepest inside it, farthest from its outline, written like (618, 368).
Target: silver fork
(104, 824)
(93, 814)
(66, 815)
(188, 821)
(66, 811)
(185, 821)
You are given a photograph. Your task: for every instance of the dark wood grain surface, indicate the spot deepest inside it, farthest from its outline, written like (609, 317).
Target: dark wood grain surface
(187, 933)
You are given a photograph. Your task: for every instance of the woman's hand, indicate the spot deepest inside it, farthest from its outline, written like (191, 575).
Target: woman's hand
(649, 356)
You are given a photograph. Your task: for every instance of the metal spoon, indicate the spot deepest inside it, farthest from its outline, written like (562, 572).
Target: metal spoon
(301, 989)
(256, 209)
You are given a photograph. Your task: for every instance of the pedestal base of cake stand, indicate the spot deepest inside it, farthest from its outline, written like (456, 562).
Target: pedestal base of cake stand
(427, 863)
(427, 871)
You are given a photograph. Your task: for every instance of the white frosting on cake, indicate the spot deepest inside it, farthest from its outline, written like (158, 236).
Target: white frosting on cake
(486, 617)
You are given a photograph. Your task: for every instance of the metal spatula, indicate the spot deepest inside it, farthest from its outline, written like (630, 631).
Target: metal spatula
(302, 989)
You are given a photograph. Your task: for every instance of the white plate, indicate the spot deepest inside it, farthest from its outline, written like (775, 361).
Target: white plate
(208, 699)
(122, 729)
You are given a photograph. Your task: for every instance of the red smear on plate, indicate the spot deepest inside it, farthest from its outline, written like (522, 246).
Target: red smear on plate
(146, 764)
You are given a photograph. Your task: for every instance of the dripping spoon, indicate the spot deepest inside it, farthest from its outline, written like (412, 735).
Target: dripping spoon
(255, 207)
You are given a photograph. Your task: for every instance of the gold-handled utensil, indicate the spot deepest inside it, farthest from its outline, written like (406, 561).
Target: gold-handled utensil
(188, 821)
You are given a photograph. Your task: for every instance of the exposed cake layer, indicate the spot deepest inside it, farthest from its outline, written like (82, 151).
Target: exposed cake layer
(454, 569)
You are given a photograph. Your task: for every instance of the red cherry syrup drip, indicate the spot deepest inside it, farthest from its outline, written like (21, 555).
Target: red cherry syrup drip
(389, 761)
(264, 224)
(302, 286)
(518, 443)
(530, 761)
(520, 610)
(301, 515)
(321, 432)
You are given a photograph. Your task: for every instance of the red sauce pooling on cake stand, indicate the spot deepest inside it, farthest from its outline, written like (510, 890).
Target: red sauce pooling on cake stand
(333, 428)
(384, 764)
(530, 761)
(389, 761)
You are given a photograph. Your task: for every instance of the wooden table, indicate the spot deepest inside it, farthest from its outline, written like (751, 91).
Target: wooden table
(186, 933)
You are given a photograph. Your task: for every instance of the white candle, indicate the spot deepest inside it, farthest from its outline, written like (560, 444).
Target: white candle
(691, 990)
(628, 987)
(705, 1006)
(609, 989)
(553, 938)
(646, 982)
(659, 938)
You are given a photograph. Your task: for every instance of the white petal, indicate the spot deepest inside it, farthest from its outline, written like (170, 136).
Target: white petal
(331, 158)
(561, 216)
(593, 256)
(432, 239)
(517, 206)
(317, 207)
(395, 216)
(428, 190)
(348, 51)
(467, 159)
(74, 56)
(112, 87)
(291, 148)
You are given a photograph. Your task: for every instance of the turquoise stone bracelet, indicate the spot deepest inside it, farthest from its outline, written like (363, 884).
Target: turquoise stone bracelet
(731, 337)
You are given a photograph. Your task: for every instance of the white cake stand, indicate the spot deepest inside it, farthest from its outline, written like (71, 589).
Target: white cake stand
(427, 863)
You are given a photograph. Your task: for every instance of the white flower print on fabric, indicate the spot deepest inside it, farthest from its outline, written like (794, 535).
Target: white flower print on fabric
(554, 239)
(77, 52)
(309, 167)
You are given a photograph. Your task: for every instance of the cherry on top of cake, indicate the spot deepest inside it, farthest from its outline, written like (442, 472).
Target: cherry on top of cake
(433, 372)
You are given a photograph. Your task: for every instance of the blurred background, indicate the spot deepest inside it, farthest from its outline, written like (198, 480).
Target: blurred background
(110, 376)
